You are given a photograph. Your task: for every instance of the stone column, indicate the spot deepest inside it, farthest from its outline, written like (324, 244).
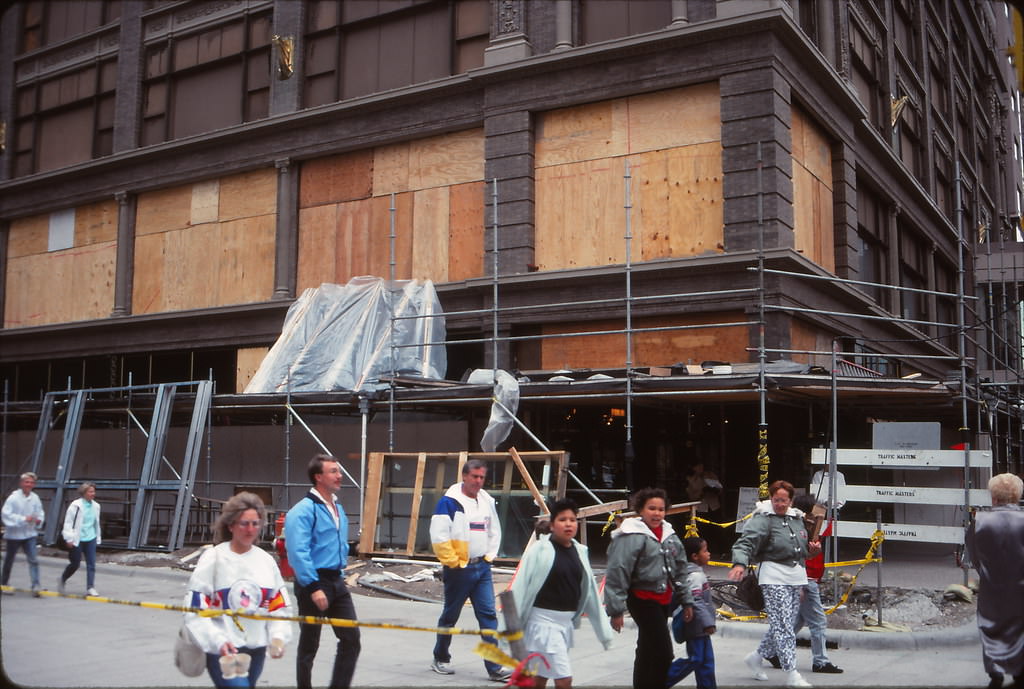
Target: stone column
(563, 24)
(124, 272)
(508, 148)
(287, 237)
(128, 97)
(679, 13)
(5, 230)
(509, 40)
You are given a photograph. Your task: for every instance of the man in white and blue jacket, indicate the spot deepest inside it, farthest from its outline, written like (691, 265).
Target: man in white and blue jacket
(466, 535)
(23, 517)
(316, 532)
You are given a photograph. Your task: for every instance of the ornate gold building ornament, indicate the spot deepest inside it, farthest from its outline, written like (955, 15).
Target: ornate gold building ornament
(896, 108)
(285, 55)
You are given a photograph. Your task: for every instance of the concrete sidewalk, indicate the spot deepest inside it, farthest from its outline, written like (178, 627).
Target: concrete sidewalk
(59, 642)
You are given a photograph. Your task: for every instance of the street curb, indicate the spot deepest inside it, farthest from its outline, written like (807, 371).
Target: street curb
(852, 638)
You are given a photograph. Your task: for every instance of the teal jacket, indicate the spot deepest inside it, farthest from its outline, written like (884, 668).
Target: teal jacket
(638, 561)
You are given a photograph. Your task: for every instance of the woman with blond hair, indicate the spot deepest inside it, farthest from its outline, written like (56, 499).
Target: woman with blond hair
(81, 533)
(236, 574)
(995, 542)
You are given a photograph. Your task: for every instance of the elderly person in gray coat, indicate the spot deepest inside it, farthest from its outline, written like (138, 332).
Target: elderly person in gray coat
(996, 543)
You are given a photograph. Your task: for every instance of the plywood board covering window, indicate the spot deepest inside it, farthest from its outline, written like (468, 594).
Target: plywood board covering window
(812, 191)
(206, 244)
(345, 219)
(672, 142)
(72, 282)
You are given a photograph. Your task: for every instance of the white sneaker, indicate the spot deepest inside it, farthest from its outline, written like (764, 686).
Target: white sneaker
(753, 661)
(795, 679)
(60, 585)
(92, 592)
(442, 668)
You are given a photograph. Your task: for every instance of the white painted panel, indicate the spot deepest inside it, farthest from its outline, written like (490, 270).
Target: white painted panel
(903, 532)
(907, 494)
(902, 458)
(62, 230)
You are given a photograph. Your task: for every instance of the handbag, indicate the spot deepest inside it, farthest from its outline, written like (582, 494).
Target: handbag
(189, 657)
(749, 591)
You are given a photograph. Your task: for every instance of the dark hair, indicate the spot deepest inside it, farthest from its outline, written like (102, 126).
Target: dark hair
(781, 485)
(232, 510)
(562, 505)
(641, 497)
(693, 545)
(472, 464)
(804, 503)
(316, 466)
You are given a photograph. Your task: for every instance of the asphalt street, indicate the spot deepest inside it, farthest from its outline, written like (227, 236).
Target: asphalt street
(62, 642)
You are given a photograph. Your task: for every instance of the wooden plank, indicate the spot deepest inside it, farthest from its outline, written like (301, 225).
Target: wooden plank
(245, 272)
(579, 214)
(248, 194)
(27, 236)
(825, 224)
(603, 508)
(811, 146)
(164, 209)
(677, 203)
(649, 349)
(430, 234)
(537, 497)
(205, 203)
(391, 168)
(332, 179)
(96, 223)
(371, 501)
(92, 281)
(447, 159)
(677, 508)
(318, 250)
(247, 362)
(466, 231)
(354, 219)
(148, 277)
(583, 132)
(675, 117)
(414, 509)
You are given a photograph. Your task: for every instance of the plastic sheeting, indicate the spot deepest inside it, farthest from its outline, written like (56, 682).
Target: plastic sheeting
(506, 391)
(339, 337)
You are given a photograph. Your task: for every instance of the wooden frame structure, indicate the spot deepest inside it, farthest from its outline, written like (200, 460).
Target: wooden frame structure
(403, 488)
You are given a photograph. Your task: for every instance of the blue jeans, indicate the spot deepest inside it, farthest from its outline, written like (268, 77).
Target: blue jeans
(700, 661)
(88, 548)
(29, 546)
(258, 655)
(471, 582)
(812, 613)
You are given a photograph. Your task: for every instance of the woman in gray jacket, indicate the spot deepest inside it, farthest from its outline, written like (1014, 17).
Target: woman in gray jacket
(646, 575)
(778, 539)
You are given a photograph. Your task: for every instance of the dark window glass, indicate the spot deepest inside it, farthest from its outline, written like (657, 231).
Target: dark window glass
(206, 100)
(601, 20)
(52, 21)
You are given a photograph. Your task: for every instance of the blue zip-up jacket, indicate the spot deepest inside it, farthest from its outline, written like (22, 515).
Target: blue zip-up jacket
(312, 540)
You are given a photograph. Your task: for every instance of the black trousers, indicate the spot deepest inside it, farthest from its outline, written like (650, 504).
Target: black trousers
(339, 605)
(653, 643)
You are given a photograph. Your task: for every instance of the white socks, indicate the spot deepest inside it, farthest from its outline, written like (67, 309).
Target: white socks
(795, 679)
(753, 661)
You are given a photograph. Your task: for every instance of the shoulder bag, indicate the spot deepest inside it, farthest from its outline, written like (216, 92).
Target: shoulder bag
(749, 591)
(189, 657)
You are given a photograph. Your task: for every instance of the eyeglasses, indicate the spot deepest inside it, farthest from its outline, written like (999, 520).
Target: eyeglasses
(245, 523)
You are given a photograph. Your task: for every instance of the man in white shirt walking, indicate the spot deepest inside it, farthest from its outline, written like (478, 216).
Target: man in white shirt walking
(22, 517)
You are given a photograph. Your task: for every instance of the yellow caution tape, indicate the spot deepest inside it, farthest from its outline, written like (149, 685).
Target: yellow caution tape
(610, 521)
(303, 619)
(726, 524)
(494, 654)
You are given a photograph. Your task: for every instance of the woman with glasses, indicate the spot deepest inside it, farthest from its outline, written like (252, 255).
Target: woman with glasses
(236, 574)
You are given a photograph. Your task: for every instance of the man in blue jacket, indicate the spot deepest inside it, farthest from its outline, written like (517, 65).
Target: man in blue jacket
(315, 532)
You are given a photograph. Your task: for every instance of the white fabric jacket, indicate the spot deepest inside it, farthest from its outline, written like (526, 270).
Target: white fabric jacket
(251, 581)
(533, 572)
(73, 522)
(462, 528)
(17, 508)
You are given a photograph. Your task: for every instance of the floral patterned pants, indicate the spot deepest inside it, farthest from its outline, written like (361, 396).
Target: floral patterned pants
(782, 603)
